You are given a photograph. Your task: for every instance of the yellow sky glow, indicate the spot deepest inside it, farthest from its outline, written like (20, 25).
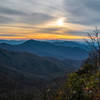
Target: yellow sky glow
(23, 31)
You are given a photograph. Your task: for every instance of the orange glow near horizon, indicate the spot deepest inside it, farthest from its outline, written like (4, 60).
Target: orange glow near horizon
(54, 36)
(45, 37)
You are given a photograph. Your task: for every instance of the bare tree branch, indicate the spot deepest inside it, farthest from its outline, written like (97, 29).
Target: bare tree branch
(94, 42)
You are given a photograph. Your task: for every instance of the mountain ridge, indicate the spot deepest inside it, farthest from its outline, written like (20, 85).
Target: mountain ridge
(47, 49)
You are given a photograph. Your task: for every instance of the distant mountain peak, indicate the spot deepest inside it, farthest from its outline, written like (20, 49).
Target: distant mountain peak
(30, 42)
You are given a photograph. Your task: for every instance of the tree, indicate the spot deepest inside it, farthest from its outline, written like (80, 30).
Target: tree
(94, 43)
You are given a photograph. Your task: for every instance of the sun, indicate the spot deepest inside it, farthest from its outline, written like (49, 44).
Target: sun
(60, 22)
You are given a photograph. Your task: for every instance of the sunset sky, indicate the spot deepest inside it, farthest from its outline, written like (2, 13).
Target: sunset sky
(48, 19)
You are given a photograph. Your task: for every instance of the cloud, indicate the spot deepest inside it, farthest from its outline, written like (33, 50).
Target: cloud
(84, 12)
(23, 11)
(76, 32)
(5, 20)
(9, 11)
(36, 18)
(3, 35)
(51, 30)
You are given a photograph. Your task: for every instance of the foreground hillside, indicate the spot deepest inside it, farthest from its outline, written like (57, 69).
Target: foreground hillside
(24, 76)
(16, 85)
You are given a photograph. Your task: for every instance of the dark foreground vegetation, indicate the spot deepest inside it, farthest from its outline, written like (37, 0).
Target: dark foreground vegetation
(84, 84)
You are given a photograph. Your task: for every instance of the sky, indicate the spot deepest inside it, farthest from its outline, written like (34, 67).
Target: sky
(48, 19)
